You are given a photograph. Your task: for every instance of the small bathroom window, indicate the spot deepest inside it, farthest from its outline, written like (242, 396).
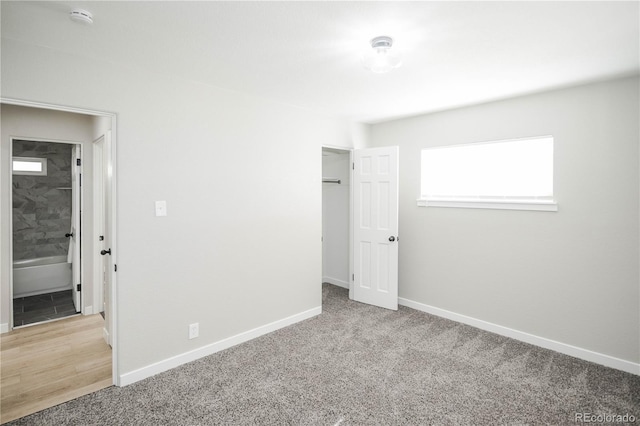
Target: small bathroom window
(29, 166)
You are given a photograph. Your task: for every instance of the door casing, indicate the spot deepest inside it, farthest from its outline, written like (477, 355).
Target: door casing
(77, 201)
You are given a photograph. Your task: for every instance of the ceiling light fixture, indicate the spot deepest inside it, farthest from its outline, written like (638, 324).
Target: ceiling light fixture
(381, 59)
(82, 16)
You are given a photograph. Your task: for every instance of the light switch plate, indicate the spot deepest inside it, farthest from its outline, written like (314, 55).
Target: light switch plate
(161, 208)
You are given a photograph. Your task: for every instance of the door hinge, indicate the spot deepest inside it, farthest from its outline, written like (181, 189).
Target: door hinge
(79, 287)
(115, 268)
(353, 277)
(78, 162)
(353, 166)
(101, 238)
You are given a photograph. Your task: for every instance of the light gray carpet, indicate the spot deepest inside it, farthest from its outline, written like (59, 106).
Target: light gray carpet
(360, 365)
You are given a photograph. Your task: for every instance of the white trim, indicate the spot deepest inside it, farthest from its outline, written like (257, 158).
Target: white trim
(335, 281)
(486, 142)
(98, 213)
(112, 315)
(338, 147)
(541, 206)
(175, 361)
(4, 328)
(563, 348)
(87, 310)
(55, 107)
(351, 240)
(9, 255)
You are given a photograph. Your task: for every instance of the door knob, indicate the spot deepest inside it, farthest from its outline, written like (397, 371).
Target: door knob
(392, 238)
(69, 235)
(103, 252)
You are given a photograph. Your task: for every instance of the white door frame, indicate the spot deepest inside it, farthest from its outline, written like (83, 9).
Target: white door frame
(113, 237)
(350, 151)
(77, 234)
(100, 235)
(98, 217)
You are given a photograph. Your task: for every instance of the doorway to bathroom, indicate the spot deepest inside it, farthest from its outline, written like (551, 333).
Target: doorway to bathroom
(94, 232)
(46, 201)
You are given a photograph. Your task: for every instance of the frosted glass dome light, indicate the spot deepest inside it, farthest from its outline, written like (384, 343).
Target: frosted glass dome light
(381, 59)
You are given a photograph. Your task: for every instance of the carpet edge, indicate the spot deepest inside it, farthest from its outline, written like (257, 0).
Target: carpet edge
(543, 342)
(209, 349)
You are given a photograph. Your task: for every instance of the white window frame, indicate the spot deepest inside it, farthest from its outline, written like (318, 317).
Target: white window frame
(487, 202)
(41, 161)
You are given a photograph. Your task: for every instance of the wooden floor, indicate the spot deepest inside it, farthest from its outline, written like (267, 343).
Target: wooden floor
(48, 364)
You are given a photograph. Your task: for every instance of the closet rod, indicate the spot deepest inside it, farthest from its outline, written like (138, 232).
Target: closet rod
(331, 180)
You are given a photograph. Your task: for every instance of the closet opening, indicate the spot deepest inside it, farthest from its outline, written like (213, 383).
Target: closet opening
(336, 217)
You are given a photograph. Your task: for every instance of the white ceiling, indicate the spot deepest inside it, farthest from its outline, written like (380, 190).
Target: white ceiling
(308, 53)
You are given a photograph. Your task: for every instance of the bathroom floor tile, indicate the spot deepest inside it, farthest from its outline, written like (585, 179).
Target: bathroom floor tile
(37, 305)
(39, 298)
(61, 295)
(65, 309)
(42, 307)
(18, 305)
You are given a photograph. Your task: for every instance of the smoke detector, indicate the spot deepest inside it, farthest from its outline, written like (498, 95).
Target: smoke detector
(81, 16)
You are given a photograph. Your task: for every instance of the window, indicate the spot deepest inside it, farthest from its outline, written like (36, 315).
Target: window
(514, 174)
(29, 166)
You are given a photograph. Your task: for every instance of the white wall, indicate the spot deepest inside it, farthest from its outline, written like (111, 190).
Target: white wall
(16, 121)
(335, 219)
(570, 276)
(240, 246)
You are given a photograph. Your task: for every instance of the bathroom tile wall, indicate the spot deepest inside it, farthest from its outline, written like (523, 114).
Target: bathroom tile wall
(41, 210)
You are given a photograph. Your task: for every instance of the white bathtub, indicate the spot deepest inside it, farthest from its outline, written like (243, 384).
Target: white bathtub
(40, 276)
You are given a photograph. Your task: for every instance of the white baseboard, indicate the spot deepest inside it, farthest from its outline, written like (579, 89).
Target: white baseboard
(88, 310)
(335, 281)
(175, 361)
(563, 348)
(4, 328)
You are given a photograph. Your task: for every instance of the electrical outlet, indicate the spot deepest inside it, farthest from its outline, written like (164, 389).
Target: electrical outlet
(194, 330)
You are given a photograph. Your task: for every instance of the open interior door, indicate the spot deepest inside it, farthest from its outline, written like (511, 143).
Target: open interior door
(108, 215)
(75, 233)
(375, 226)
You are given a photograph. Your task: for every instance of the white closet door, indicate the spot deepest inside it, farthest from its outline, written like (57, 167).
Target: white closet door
(375, 221)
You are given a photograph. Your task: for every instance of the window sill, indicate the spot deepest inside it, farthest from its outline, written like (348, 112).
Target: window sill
(532, 205)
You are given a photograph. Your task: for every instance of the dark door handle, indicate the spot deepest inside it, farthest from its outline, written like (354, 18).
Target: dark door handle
(103, 252)
(392, 238)
(68, 235)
